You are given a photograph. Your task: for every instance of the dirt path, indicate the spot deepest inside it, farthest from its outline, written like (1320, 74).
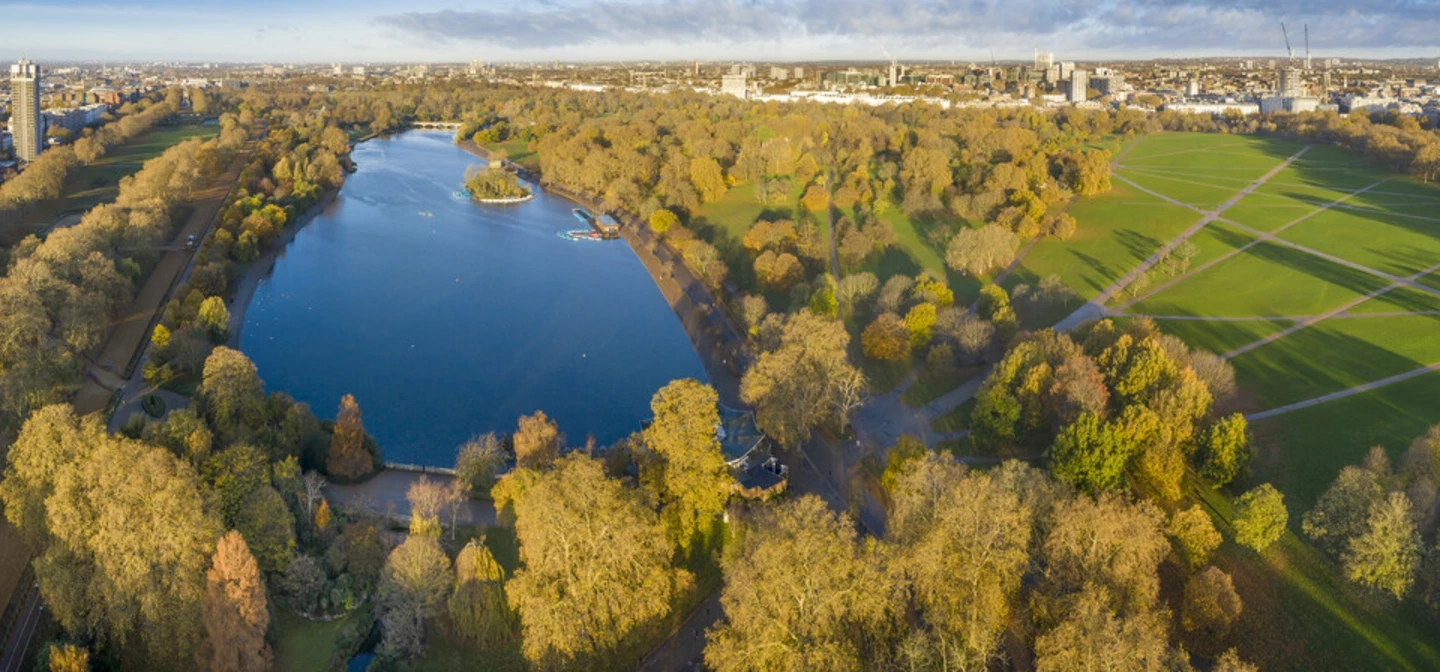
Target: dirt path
(1096, 305)
(1271, 236)
(125, 339)
(1358, 389)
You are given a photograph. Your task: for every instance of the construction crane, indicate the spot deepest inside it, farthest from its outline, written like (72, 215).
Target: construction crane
(1290, 52)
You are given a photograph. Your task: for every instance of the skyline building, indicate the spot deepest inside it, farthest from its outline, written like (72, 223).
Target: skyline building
(25, 119)
(1043, 60)
(1079, 86)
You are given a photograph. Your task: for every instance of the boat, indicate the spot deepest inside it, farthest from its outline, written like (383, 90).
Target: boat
(581, 234)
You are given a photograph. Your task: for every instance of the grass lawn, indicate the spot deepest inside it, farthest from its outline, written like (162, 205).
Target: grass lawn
(955, 419)
(519, 151)
(303, 644)
(1300, 614)
(1396, 245)
(931, 385)
(1337, 354)
(1266, 280)
(1221, 337)
(87, 186)
(1399, 299)
(1115, 232)
(1301, 452)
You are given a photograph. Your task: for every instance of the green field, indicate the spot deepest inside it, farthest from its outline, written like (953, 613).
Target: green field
(1300, 613)
(99, 182)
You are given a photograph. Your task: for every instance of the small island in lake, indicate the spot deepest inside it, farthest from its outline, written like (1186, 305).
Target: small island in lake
(494, 185)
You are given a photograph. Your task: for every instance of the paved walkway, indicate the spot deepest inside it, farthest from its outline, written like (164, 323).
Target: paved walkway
(883, 419)
(28, 620)
(1358, 389)
(385, 494)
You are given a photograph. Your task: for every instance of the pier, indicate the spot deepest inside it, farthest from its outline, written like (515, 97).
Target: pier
(605, 225)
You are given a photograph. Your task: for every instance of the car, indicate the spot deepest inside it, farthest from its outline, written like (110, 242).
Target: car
(190, 242)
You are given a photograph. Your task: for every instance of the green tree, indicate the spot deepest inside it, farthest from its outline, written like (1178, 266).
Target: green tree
(348, 457)
(1090, 454)
(1194, 537)
(1387, 552)
(919, 322)
(1341, 513)
(268, 527)
(477, 606)
(1225, 449)
(694, 481)
(801, 594)
(663, 220)
(234, 396)
(1260, 517)
(234, 610)
(537, 441)
(595, 565)
(215, 318)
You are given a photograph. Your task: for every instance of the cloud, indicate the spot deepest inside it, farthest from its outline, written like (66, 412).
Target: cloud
(1106, 25)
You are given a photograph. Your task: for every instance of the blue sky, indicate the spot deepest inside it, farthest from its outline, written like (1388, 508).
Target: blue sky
(426, 30)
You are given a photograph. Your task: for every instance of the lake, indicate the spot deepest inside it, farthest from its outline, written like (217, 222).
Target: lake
(447, 318)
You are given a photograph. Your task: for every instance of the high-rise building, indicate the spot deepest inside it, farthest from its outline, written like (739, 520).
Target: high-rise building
(1043, 60)
(1066, 67)
(735, 85)
(25, 119)
(1079, 86)
(1292, 83)
(1192, 88)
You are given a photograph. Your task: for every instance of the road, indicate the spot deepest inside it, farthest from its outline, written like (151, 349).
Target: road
(29, 619)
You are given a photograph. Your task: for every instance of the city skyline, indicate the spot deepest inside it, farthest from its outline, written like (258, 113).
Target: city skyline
(773, 30)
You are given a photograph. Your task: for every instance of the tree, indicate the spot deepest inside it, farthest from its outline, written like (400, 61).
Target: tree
(69, 658)
(965, 541)
(1093, 637)
(694, 480)
(322, 516)
(886, 339)
(234, 610)
(978, 251)
(662, 220)
(537, 441)
(805, 381)
(477, 461)
(477, 606)
(215, 318)
(1342, 512)
(1211, 604)
(127, 548)
(1387, 552)
(778, 271)
(709, 181)
(800, 595)
(413, 586)
(426, 498)
(1107, 542)
(1230, 662)
(268, 527)
(1225, 449)
(918, 323)
(1260, 517)
(348, 457)
(1194, 537)
(816, 199)
(595, 565)
(234, 396)
(1090, 454)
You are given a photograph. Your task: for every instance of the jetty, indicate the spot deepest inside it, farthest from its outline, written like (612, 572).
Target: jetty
(605, 225)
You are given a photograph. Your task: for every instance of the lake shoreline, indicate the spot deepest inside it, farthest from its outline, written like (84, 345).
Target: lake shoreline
(714, 339)
(262, 266)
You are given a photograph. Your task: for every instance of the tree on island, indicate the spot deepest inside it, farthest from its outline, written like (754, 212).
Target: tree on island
(348, 456)
(493, 182)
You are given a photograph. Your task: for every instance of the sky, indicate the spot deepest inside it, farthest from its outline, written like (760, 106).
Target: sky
(358, 31)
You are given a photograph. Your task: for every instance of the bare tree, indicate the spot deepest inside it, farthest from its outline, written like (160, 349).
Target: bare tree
(455, 497)
(314, 483)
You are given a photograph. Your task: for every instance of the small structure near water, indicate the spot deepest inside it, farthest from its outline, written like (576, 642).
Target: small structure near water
(605, 225)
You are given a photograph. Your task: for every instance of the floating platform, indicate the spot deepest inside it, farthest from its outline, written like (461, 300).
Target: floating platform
(604, 225)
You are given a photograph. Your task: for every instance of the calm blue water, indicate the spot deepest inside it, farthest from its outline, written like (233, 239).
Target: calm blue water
(455, 323)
